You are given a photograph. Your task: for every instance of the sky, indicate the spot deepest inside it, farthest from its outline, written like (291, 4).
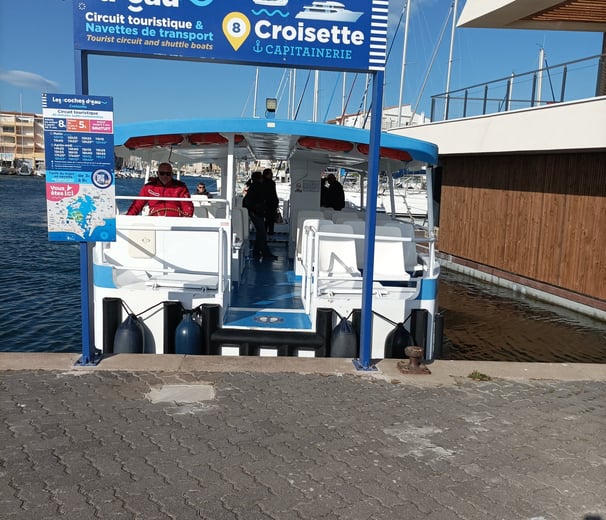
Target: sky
(36, 56)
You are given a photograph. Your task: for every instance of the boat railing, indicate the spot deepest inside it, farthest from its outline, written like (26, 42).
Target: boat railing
(573, 80)
(329, 266)
(331, 263)
(170, 252)
(221, 207)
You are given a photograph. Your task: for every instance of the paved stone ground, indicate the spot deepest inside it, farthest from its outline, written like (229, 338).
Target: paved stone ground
(83, 445)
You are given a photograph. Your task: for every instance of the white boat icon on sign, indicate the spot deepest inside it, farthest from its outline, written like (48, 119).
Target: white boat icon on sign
(333, 11)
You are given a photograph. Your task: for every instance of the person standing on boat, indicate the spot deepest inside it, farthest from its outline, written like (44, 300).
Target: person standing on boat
(332, 196)
(273, 201)
(257, 203)
(164, 186)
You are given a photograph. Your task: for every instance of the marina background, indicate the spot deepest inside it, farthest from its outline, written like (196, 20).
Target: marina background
(189, 89)
(40, 296)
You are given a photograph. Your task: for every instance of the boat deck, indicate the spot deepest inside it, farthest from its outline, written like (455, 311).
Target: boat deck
(269, 295)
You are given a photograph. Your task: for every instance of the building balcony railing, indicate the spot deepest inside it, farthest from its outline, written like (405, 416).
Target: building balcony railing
(578, 79)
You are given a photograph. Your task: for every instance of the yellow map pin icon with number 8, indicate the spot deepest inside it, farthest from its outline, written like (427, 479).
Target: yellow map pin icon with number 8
(236, 27)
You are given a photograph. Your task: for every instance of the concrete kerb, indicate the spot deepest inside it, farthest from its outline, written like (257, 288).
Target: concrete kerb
(442, 372)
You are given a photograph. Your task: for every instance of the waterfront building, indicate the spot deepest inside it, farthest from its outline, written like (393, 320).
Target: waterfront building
(21, 139)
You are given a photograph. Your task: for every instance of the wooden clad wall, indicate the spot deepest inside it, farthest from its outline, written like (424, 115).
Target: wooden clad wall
(539, 216)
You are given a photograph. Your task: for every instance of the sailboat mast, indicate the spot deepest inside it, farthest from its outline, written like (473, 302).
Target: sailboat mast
(540, 78)
(256, 92)
(404, 51)
(316, 90)
(344, 97)
(291, 94)
(452, 35)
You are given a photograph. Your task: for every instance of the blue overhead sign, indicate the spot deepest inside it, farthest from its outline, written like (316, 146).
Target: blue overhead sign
(349, 35)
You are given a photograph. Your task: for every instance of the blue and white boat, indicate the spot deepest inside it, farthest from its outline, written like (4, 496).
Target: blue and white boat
(164, 270)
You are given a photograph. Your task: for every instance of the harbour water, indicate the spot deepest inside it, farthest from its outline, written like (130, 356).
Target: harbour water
(484, 322)
(40, 296)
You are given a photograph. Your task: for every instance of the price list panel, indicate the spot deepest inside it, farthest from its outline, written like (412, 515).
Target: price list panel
(79, 153)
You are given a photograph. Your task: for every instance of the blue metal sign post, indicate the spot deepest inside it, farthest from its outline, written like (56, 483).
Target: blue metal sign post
(346, 36)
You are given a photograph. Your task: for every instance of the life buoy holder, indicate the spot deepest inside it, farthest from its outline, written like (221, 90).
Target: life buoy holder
(201, 139)
(388, 153)
(149, 141)
(330, 145)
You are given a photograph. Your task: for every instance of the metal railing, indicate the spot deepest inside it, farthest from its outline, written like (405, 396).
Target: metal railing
(578, 79)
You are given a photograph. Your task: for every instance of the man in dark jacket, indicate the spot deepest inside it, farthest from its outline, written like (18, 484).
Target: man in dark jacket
(164, 186)
(332, 196)
(273, 201)
(256, 201)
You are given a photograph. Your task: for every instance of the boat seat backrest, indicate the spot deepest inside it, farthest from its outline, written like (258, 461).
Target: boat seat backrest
(383, 218)
(337, 254)
(245, 222)
(176, 249)
(339, 217)
(135, 248)
(303, 215)
(159, 249)
(200, 212)
(328, 213)
(239, 222)
(218, 209)
(359, 228)
(389, 262)
(307, 237)
(407, 230)
(202, 206)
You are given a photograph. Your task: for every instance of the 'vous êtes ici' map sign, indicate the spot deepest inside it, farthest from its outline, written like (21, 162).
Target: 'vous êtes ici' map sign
(349, 35)
(79, 160)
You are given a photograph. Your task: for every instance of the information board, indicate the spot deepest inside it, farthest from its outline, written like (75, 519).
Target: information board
(349, 35)
(79, 156)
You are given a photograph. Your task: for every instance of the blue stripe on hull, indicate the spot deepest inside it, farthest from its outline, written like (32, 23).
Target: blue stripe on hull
(429, 289)
(103, 276)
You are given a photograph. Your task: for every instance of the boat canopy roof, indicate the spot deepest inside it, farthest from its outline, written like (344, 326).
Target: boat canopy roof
(206, 140)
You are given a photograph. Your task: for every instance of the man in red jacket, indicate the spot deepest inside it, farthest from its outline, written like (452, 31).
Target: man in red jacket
(164, 186)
